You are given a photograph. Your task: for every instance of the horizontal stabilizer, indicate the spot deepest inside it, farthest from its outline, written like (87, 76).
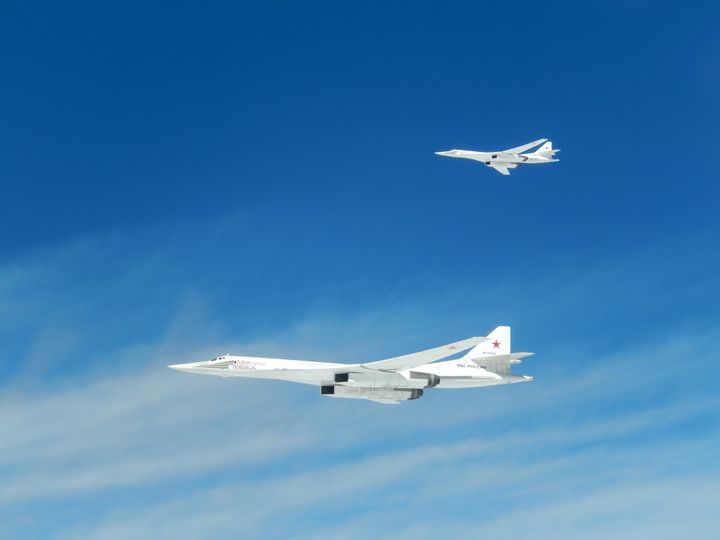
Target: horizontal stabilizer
(512, 358)
(501, 363)
(410, 361)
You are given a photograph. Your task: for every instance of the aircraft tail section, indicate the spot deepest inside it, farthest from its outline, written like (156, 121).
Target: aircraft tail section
(498, 343)
(546, 150)
(495, 355)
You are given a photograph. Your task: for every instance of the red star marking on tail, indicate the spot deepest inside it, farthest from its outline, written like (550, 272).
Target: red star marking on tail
(496, 344)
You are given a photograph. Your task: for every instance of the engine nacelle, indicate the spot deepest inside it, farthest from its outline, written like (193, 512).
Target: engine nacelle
(342, 377)
(431, 379)
(385, 394)
(377, 379)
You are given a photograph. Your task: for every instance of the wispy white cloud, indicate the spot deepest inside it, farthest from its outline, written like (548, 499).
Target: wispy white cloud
(472, 486)
(143, 431)
(196, 457)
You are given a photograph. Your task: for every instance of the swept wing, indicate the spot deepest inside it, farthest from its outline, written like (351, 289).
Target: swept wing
(409, 361)
(524, 147)
(363, 374)
(502, 168)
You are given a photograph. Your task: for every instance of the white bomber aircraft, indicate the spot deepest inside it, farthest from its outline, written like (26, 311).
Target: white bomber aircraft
(386, 381)
(511, 158)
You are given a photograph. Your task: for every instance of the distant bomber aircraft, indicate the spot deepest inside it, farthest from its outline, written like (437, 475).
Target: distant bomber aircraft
(511, 158)
(385, 381)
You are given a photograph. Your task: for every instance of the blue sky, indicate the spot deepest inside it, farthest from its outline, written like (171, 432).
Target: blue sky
(191, 179)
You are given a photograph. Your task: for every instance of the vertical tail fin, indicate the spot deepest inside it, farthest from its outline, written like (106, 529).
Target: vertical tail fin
(545, 150)
(499, 343)
(494, 355)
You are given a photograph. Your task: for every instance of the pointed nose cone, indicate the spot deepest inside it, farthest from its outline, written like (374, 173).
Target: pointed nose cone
(192, 366)
(179, 367)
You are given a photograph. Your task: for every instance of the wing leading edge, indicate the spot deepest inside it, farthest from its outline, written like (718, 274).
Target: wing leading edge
(409, 361)
(524, 147)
